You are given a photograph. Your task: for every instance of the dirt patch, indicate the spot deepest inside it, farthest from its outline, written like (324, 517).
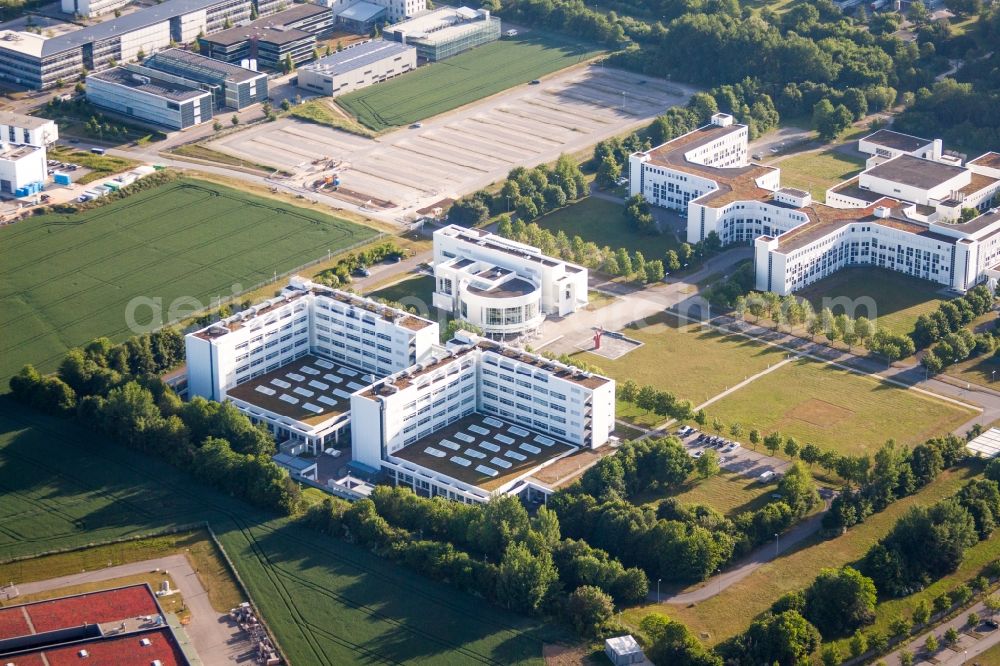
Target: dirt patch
(819, 413)
(561, 655)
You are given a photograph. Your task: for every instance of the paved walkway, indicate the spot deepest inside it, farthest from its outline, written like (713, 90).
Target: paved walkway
(216, 638)
(968, 647)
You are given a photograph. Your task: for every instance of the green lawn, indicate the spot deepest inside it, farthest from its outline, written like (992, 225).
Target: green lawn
(726, 492)
(693, 364)
(603, 222)
(892, 299)
(817, 172)
(328, 602)
(66, 279)
(461, 79)
(415, 292)
(836, 409)
(731, 612)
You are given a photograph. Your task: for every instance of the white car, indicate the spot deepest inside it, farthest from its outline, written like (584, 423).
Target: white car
(335, 453)
(697, 454)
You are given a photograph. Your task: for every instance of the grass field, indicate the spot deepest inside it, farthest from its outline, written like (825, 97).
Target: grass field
(726, 492)
(415, 292)
(897, 299)
(730, 612)
(461, 79)
(65, 279)
(818, 172)
(603, 222)
(101, 166)
(321, 112)
(693, 364)
(837, 410)
(327, 601)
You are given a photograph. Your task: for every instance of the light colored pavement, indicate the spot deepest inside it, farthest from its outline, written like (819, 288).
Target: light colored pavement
(215, 637)
(463, 150)
(963, 652)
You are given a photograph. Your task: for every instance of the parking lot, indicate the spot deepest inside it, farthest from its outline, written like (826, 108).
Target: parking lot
(461, 151)
(733, 456)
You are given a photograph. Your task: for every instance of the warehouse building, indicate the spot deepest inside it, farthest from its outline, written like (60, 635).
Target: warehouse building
(37, 62)
(357, 67)
(504, 287)
(232, 86)
(442, 33)
(289, 34)
(138, 92)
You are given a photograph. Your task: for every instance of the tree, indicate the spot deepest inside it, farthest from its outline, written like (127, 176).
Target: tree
(717, 425)
(671, 643)
(608, 172)
(921, 612)
(858, 645)
(772, 442)
(216, 126)
(830, 656)
(673, 261)
(755, 438)
(899, 626)
(951, 636)
(797, 488)
(840, 601)
(918, 12)
(235, 120)
(973, 619)
(628, 390)
(589, 609)
(287, 66)
(524, 579)
(468, 212)
(708, 464)
(786, 638)
(931, 644)
(810, 454)
(791, 447)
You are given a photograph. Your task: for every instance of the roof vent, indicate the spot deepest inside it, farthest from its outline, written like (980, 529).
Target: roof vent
(882, 211)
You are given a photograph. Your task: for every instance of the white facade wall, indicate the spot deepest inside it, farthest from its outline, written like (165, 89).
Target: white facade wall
(929, 151)
(29, 167)
(90, 8)
(12, 131)
(146, 40)
(314, 78)
(926, 197)
(192, 24)
(396, 10)
(562, 286)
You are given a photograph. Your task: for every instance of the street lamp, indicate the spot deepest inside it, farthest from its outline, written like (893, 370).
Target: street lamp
(776, 540)
(993, 375)
(658, 589)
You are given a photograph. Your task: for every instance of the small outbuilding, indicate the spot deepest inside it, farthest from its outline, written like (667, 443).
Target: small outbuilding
(622, 650)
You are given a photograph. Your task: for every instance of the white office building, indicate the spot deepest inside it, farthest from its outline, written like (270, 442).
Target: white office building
(23, 156)
(902, 212)
(357, 67)
(502, 286)
(293, 362)
(30, 130)
(479, 418)
(396, 10)
(92, 8)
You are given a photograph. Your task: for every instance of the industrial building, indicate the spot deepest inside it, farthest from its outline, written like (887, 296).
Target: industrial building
(232, 86)
(23, 155)
(443, 32)
(357, 67)
(141, 93)
(914, 209)
(38, 62)
(394, 10)
(504, 287)
(293, 362)
(92, 8)
(287, 35)
(479, 419)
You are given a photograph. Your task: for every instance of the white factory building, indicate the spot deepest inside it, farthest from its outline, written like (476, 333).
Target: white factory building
(502, 286)
(23, 157)
(357, 67)
(480, 418)
(902, 212)
(293, 362)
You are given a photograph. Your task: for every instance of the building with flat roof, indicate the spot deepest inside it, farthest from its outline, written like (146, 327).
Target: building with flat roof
(502, 286)
(39, 62)
(903, 212)
(141, 93)
(113, 626)
(232, 86)
(289, 34)
(395, 10)
(479, 418)
(293, 362)
(357, 67)
(92, 8)
(362, 17)
(444, 32)
(30, 130)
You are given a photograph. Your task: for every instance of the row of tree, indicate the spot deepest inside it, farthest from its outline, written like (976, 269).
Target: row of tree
(529, 192)
(952, 316)
(495, 550)
(116, 390)
(340, 274)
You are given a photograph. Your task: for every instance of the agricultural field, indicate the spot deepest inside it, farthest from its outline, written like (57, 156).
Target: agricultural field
(836, 409)
(327, 602)
(730, 612)
(461, 79)
(603, 222)
(66, 279)
(703, 363)
(816, 172)
(897, 299)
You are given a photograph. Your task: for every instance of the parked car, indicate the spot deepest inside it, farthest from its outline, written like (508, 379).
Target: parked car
(535, 82)
(97, 151)
(362, 271)
(767, 476)
(332, 452)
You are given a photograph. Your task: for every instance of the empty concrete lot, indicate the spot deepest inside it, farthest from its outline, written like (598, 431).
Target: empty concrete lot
(458, 152)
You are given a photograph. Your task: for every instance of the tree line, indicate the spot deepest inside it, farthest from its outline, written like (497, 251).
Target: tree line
(495, 551)
(116, 390)
(529, 192)
(340, 274)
